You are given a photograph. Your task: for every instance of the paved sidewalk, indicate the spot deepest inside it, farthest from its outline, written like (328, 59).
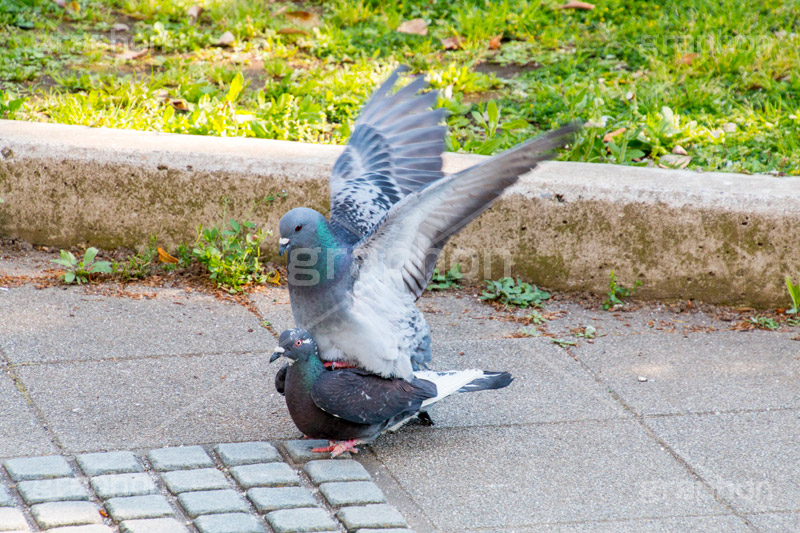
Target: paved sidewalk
(663, 422)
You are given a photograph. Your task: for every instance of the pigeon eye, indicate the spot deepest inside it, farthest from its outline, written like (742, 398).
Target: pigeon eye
(298, 228)
(298, 343)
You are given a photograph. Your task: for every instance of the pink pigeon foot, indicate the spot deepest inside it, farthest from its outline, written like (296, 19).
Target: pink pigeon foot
(336, 365)
(337, 448)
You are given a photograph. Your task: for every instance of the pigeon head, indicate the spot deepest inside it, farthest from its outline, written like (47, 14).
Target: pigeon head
(300, 228)
(296, 344)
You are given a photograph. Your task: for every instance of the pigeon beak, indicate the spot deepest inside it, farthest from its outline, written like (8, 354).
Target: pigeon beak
(284, 243)
(276, 353)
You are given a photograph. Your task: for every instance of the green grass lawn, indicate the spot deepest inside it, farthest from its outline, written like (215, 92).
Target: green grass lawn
(718, 79)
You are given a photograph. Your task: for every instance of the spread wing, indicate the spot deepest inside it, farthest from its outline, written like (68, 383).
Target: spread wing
(365, 398)
(395, 149)
(404, 247)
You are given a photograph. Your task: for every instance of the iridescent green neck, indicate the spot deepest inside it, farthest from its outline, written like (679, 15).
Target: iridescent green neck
(311, 369)
(332, 257)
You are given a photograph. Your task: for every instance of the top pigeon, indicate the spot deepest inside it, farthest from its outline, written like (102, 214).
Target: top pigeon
(353, 281)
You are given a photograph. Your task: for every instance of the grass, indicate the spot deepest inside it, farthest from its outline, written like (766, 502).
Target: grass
(717, 79)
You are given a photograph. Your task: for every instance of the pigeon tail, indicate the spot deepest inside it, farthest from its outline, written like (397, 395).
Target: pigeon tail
(489, 381)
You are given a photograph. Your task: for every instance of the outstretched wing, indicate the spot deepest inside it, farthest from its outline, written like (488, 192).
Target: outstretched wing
(396, 149)
(365, 398)
(404, 247)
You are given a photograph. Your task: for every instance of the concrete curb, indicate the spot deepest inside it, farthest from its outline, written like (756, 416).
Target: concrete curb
(714, 237)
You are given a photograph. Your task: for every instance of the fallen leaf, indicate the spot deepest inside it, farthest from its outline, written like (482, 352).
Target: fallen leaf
(226, 39)
(304, 18)
(131, 54)
(610, 135)
(103, 513)
(674, 161)
(164, 256)
(494, 42)
(120, 27)
(74, 6)
(679, 150)
(687, 59)
(194, 12)
(292, 31)
(575, 4)
(729, 127)
(414, 26)
(179, 105)
(274, 277)
(629, 95)
(453, 43)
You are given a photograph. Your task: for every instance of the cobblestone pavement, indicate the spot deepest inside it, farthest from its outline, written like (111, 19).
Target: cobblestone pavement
(247, 487)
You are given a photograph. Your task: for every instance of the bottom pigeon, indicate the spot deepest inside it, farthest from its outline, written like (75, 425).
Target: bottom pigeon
(350, 406)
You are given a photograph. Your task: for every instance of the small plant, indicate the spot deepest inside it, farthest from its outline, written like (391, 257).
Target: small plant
(232, 256)
(564, 343)
(794, 322)
(589, 332)
(536, 317)
(514, 293)
(79, 271)
(138, 266)
(617, 292)
(763, 322)
(794, 294)
(448, 280)
(529, 332)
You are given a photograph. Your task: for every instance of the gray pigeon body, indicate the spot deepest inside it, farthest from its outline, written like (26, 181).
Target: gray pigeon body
(354, 405)
(353, 280)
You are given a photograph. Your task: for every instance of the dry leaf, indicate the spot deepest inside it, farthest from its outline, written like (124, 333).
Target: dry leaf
(274, 277)
(610, 135)
(452, 43)
(679, 150)
(131, 54)
(179, 105)
(575, 4)
(292, 31)
(494, 42)
(194, 12)
(226, 39)
(687, 59)
(164, 256)
(414, 26)
(304, 18)
(120, 27)
(74, 6)
(674, 161)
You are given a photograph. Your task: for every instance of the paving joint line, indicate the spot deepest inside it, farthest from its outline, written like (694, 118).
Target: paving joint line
(125, 358)
(640, 420)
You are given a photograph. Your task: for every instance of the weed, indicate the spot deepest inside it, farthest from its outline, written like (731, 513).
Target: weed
(514, 293)
(529, 332)
(617, 292)
(794, 322)
(232, 256)
(794, 294)
(79, 271)
(763, 322)
(564, 343)
(536, 317)
(448, 280)
(589, 332)
(265, 323)
(140, 265)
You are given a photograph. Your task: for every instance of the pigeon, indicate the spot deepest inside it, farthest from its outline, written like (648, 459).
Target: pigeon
(351, 406)
(354, 279)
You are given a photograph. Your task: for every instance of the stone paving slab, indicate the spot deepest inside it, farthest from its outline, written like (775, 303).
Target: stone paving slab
(179, 457)
(265, 475)
(229, 523)
(52, 490)
(300, 451)
(267, 499)
(12, 520)
(604, 470)
(550, 384)
(300, 520)
(19, 427)
(746, 457)
(129, 404)
(339, 493)
(153, 525)
(51, 325)
(198, 479)
(699, 372)
(135, 507)
(6, 500)
(90, 528)
(245, 453)
(55, 514)
(212, 502)
(46, 467)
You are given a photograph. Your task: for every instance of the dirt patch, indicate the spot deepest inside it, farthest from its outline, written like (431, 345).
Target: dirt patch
(506, 71)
